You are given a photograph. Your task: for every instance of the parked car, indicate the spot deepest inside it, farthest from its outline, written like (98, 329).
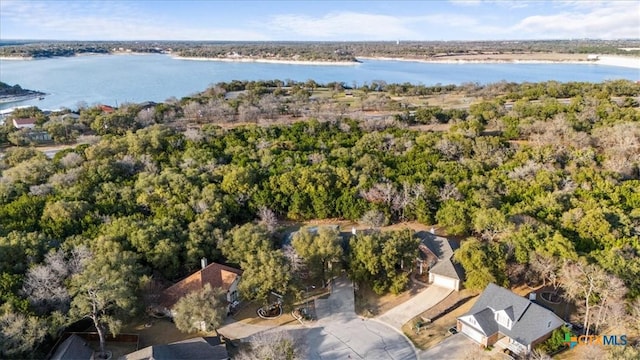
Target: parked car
(452, 330)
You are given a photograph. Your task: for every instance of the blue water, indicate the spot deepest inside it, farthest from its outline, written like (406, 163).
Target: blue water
(116, 79)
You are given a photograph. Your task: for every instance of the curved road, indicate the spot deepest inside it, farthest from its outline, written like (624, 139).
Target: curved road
(340, 334)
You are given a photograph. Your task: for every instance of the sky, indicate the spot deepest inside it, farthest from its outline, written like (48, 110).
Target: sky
(306, 20)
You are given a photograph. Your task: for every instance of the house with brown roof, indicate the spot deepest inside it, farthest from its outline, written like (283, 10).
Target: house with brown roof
(214, 274)
(106, 109)
(28, 123)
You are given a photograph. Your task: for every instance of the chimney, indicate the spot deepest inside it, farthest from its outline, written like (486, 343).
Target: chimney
(353, 230)
(203, 262)
(433, 230)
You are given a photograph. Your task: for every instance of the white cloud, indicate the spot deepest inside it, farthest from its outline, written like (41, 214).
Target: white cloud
(466, 2)
(607, 21)
(343, 25)
(510, 4)
(98, 20)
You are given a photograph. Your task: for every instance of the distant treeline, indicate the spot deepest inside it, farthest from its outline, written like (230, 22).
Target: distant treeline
(317, 51)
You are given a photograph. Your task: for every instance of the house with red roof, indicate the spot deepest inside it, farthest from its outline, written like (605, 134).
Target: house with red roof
(214, 274)
(28, 123)
(107, 109)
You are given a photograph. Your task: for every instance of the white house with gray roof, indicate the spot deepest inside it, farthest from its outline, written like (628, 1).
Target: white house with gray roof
(436, 255)
(501, 315)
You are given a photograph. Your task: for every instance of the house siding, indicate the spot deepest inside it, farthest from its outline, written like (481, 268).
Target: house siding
(492, 339)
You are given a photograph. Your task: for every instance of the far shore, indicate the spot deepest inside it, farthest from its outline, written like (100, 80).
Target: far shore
(553, 58)
(16, 58)
(268, 61)
(526, 58)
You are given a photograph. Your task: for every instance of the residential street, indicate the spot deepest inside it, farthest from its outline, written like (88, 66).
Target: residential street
(340, 334)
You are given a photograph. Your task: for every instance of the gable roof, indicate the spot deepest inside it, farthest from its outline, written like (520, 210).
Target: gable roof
(530, 320)
(216, 275)
(441, 248)
(209, 348)
(24, 121)
(74, 347)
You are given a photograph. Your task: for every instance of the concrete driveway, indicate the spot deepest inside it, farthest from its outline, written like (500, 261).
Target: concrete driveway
(340, 334)
(454, 347)
(413, 307)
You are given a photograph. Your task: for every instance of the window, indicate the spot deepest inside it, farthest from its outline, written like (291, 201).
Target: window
(502, 319)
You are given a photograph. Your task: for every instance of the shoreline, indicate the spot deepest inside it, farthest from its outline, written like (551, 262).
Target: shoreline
(17, 58)
(7, 99)
(268, 61)
(603, 60)
(619, 61)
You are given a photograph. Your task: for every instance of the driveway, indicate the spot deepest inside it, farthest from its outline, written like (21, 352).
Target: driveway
(340, 334)
(415, 306)
(454, 347)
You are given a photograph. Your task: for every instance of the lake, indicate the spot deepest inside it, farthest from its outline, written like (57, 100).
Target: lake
(116, 79)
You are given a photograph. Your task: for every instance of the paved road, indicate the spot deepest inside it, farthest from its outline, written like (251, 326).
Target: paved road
(413, 307)
(340, 334)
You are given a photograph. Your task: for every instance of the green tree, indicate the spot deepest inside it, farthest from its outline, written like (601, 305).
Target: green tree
(205, 309)
(377, 259)
(245, 241)
(264, 272)
(318, 249)
(105, 291)
(472, 255)
(454, 216)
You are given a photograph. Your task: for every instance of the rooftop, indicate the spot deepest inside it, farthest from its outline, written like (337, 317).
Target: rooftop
(216, 275)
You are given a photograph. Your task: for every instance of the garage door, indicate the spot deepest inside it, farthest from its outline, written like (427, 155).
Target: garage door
(445, 282)
(474, 335)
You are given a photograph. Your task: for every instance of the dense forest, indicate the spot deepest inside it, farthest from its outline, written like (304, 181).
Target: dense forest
(540, 179)
(327, 51)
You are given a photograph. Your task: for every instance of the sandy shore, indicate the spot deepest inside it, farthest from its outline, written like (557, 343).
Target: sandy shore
(18, 58)
(269, 61)
(622, 61)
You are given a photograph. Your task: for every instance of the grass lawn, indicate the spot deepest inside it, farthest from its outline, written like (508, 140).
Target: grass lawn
(432, 334)
(248, 314)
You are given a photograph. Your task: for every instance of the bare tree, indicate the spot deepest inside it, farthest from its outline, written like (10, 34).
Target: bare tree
(273, 345)
(44, 284)
(546, 267)
(71, 160)
(539, 355)
(146, 117)
(600, 295)
(611, 305)
(268, 218)
(449, 191)
(374, 219)
(380, 193)
(19, 334)
(248, 113)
